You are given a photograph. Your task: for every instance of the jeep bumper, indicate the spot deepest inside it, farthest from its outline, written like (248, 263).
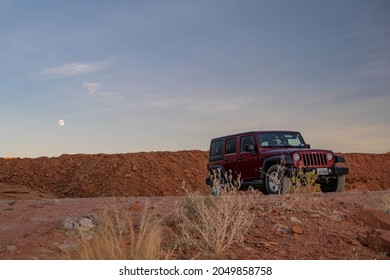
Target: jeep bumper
(338, 171)
(323, 172)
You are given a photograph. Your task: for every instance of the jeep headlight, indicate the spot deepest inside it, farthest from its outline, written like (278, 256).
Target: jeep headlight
(296, 157)
(329, 156)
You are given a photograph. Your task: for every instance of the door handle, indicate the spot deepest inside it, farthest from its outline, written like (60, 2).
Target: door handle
(240, 158)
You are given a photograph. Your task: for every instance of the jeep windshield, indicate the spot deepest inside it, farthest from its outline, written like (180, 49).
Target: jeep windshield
(280, 139)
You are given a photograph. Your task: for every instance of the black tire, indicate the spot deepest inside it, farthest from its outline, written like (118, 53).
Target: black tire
(336, 185)
(276, 179)
(216, 189)
(217, 181)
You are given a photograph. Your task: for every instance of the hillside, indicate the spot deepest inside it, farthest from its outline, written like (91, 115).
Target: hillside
(146, 174)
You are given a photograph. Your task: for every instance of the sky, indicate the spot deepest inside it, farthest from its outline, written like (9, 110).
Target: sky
(131, 76)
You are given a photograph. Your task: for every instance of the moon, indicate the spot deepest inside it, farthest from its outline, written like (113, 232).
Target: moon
(61, 122)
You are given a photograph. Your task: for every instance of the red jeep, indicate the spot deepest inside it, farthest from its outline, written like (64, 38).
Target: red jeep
(270, 158)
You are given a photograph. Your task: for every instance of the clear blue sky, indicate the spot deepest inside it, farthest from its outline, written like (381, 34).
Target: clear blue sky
(129, 76)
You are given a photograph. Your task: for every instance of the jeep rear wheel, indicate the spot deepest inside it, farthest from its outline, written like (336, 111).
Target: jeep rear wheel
(336, 185)
(218, 180)
(276, 179)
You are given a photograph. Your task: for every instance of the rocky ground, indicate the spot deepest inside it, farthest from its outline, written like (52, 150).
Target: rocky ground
(38, 196)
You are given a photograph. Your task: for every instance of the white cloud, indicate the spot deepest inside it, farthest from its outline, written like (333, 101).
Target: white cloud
(202, 105)
(72, 69)
(91, 88)
(110, 96)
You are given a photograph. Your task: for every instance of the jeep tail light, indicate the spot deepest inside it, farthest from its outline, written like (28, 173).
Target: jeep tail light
(329, 156)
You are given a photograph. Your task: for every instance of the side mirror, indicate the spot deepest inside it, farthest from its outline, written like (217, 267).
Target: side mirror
(250, 148)
(307, 146)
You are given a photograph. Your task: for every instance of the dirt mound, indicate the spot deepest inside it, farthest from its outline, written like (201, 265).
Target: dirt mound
(148, 174)
(133, 174)
(368, 171)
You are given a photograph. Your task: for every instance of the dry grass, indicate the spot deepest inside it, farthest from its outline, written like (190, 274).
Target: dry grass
(303, 195)
(309, 203)
(223, 182)
(212, 224)
(304, 183)
(123, 238)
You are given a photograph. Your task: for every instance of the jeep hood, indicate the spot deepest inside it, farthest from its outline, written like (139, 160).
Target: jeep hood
(287, 150)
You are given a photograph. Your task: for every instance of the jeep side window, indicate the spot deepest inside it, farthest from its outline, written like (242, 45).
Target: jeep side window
(216, 148)
(246, 142)
(230, 146)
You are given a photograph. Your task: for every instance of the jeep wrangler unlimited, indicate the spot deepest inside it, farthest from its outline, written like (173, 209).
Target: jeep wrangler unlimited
(270, 158)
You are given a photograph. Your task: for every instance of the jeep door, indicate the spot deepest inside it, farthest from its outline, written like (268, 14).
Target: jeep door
(247, 160)
(230, 156)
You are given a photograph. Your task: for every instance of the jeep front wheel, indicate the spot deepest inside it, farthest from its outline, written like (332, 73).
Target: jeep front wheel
(276, 179)
(336, 185)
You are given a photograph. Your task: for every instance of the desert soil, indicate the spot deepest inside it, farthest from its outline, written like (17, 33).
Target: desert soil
(37, 195)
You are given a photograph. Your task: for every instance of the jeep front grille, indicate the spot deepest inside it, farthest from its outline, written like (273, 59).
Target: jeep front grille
(314, 159)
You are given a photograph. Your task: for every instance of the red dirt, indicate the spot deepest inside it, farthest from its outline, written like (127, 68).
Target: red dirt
(37, 194)
(136, 174)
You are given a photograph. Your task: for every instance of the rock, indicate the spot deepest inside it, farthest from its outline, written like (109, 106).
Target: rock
(249, 249)
(384, 240)
(12, 249)
(282, 228)
(135, 168)
(86, 224)
(353, 242)
(69, 223)
(375, 218)
(295, 220)
(282, 253)
(252, 206)
(94, 218)
(296, 229)
(378, 240)
(11, 202)
(66, 246)
(260, 208)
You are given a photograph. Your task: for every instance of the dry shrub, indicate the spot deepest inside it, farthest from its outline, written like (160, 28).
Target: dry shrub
(304, 183)
(212, 224)
(309, 203)
(301, 191)
(303, 195)
(223, 182)
(123, 238)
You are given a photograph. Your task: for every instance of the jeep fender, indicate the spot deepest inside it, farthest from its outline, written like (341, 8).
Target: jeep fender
(214, 167)
(285, 160)
(339, 159)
